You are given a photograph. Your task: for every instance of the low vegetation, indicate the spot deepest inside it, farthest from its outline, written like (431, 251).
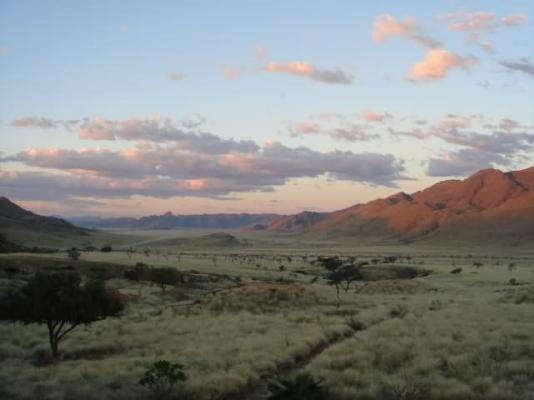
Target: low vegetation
(287, 324)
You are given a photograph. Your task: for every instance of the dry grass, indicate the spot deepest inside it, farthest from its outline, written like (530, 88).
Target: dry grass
(458, 336)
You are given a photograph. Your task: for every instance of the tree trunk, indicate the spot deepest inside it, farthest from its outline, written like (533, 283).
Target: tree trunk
(54, 342)
(338, 298)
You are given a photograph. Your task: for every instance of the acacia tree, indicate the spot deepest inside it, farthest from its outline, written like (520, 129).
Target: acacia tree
(165, 276)
(340, 275)
(60, 302)
(74, 254)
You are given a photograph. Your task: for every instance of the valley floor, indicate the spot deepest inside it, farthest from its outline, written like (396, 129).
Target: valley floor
(248, 313)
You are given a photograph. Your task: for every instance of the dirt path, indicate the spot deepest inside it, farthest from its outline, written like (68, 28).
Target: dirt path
(259, 389)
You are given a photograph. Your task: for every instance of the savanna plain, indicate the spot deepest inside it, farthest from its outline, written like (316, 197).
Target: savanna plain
(256, 315)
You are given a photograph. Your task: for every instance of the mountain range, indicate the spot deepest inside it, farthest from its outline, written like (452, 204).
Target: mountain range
(489, 207)
(172, 221)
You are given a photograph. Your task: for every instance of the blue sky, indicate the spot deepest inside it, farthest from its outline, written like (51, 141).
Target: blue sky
(111, 61)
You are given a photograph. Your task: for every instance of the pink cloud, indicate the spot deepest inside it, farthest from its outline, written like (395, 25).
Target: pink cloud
(230, 72)
(387, 25)
(293, 67)
(302, 128)
(97, 128)
(437, 64)
(308, 70)
(371, 116)
(470, 21)
(514, 19)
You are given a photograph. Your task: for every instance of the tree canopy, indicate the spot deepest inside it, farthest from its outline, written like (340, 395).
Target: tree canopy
(62, 303)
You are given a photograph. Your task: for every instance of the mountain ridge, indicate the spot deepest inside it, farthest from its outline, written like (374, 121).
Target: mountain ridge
(488, 197)
(169, 220)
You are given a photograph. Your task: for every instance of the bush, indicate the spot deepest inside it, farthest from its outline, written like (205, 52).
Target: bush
(399, 311)
(106, 249)
(74, 254)
(355, 324)
(407, 391)
(162, 377)
(302, 387)
(165, 276)
(137, 273)
(456, 271)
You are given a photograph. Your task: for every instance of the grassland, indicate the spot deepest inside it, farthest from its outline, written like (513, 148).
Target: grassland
(260, 306)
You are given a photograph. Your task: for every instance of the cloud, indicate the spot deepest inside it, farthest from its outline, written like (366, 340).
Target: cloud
(387, 25)
(34, 121)
(230, 72)
(523, 65)
(509, 125)
(308, 70)
(478, 150)
(260, 53)
(160, 130)
(514, 19)
(175, 76)
(338, 129)
(437, 63)
(463, 162)
(415, 133)
(371, 116)
(477, 23)
(194, 121)
(483, 44)
(305, 128)
(463, 20)
(168, 170)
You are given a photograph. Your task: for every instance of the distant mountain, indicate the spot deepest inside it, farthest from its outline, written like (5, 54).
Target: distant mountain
(490, 205)
(172, 221)
(21, 226)
(297, 223)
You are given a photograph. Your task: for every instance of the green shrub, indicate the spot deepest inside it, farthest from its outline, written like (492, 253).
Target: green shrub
(165, 276)
(398, 311)
(302, 387)
(162, 377)
(405, 391)
(355, 324)
(137, 273)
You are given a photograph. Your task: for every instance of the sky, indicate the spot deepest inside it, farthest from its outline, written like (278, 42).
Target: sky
(132, 107)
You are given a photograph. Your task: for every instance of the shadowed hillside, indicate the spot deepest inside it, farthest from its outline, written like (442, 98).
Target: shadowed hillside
(18, 225)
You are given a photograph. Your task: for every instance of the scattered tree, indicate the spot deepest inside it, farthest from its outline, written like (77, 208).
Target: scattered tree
(138, 273)
(340, 276)
(60, 302)
(74, 254)
(165, 276)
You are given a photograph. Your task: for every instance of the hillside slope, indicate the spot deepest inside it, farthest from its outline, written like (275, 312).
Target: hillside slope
(21, 226)
(490, 205)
